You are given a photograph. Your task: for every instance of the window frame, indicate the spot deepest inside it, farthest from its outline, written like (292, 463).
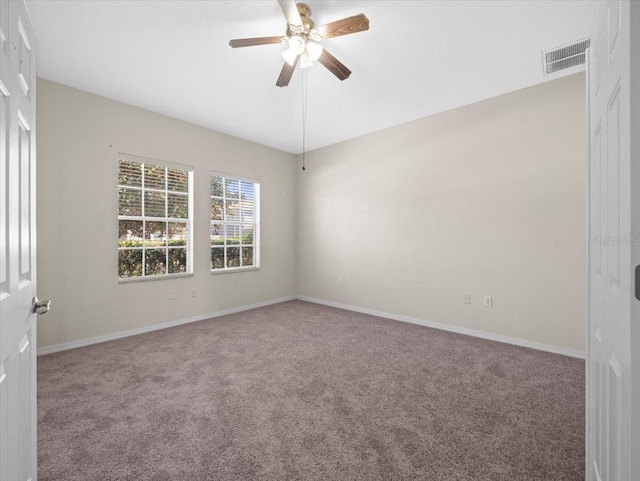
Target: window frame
(142, 218)
(256, 223)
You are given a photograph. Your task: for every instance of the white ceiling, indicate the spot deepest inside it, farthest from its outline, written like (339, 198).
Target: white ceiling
(418, 58)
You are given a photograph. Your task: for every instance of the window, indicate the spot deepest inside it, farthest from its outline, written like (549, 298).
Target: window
(155, 218)
(235, 223)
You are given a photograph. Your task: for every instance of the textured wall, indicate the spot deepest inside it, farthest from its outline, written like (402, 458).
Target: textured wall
(487, 200)
(79, 137)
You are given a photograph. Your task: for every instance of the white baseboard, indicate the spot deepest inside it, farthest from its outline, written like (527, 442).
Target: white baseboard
(446, 327)
(141, 330)
(436, 325)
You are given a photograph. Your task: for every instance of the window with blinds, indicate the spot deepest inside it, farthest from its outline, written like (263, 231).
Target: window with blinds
(235, 223)
(155, 218)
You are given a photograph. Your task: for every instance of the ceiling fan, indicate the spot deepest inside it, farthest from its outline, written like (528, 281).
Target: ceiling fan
(303, 38)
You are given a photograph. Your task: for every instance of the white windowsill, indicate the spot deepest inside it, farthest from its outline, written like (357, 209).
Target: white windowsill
(233, 270)
(128, 280)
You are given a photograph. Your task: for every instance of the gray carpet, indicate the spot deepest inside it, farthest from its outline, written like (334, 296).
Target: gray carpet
(298, 391)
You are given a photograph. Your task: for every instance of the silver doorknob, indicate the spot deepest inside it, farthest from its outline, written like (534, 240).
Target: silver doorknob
(41, 307)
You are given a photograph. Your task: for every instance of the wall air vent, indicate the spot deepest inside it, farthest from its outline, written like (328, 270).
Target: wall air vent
(566, 57)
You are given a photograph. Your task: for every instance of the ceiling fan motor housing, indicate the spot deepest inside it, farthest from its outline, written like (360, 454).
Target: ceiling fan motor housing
(307, 23)
(304, 10)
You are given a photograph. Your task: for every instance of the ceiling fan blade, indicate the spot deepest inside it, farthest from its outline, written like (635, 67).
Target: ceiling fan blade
(334, 65)
(354, 24)
(286, 73)
(290, 10)
(250, 42)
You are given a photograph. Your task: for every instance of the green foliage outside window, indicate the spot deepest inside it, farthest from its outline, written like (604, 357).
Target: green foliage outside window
(233, 222)
(153, 218)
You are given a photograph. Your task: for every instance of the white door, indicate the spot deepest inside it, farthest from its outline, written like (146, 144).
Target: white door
(18, 460)
(610, 424)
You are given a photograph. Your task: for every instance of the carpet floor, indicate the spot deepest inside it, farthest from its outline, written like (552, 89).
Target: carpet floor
(299, 391)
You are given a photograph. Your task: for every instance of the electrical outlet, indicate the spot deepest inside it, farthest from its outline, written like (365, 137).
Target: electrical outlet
(466, 299)
(340, 282)
(488, 301)
(194, 292)
(172, 294)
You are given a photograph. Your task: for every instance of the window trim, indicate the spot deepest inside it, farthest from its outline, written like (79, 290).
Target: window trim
(256, 235)
(157, 277)
(232, 270)
(189, 221)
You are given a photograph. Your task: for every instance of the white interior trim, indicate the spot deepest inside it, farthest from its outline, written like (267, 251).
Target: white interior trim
(436, 325)
(446, 327)
(141, 330)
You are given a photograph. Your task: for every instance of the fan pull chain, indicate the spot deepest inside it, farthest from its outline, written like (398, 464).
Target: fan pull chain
(304, 116)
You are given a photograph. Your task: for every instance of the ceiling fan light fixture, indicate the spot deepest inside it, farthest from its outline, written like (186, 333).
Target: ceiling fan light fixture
(305, 60)
(297, 44)
(314, 50)
(290, 56)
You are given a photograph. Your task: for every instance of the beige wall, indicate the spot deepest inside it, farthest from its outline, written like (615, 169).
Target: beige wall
(487, 200)
(79, 136)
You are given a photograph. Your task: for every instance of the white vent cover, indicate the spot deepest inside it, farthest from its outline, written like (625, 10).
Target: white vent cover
(566, 57)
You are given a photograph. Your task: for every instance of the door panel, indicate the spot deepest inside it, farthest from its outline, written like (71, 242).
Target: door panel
(24, 161)
(4, 43)
(4, 427)
(613, 14)
(613, 162)
(613, 421)
(18, 459)
(609, 420)
(4, 244)
(24, 52)
(26, 361)
(596, 166)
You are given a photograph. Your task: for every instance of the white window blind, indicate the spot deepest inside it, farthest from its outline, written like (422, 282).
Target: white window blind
(235, 223)
(155, 218)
